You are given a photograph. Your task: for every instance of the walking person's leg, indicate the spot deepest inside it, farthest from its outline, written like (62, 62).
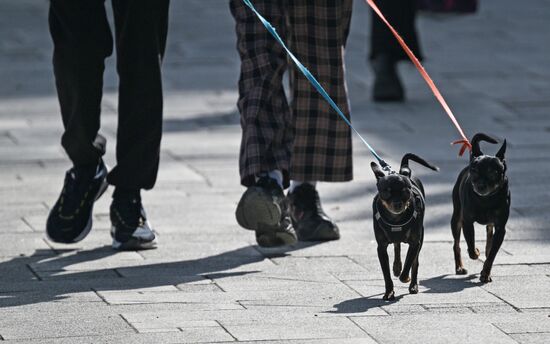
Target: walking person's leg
(141, 27)
(322, 145)
(385, 52)
(266, 122)
(82, 40)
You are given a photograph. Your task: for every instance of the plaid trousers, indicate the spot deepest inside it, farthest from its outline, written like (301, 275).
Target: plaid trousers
(303, 137)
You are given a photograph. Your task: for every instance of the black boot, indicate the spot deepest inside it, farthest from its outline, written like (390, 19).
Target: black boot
(309, 220)
(387, 86)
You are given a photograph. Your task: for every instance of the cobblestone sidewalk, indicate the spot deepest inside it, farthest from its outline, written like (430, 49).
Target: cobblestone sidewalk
(208, 281)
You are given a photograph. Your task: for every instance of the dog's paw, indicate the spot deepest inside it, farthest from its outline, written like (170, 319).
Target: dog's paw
(461, 271)
(474, 254)
(485, 278)
(397, 266)
(413, 288)
(404, 279)
(389, 296)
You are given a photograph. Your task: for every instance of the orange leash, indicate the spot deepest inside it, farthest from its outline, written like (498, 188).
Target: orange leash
(464, 141)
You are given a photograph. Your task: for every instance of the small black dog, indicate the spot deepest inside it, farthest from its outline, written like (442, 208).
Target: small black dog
(481, 195)
(398, 210)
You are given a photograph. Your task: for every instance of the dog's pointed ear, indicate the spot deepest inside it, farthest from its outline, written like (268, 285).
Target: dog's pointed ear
(501, 151)
(378, 173)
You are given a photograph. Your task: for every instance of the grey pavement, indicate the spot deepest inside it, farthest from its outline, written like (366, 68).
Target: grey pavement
(208, 281)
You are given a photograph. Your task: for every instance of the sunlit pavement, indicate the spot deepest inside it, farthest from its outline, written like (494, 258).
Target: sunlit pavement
(208, 281)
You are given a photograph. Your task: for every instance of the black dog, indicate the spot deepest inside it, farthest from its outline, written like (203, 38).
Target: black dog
(481, 195)
(398, 210)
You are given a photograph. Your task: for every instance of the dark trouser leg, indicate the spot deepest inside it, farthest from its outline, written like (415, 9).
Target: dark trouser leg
(401, 14)
(141, 29)
(266, 120)
(82, 40)
(322, 146)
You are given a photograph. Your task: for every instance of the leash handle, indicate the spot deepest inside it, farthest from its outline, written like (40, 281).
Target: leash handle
(315, 83)
(464, 141)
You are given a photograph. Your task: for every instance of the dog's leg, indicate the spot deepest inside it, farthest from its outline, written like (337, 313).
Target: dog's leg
(412, 252)
(456, 228)
(397, 265)
(413, 287)
(498, 238)
(385, 265)
(489, 242)
(469, 236)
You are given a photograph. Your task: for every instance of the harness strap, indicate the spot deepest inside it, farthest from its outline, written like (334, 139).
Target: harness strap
(392, 227)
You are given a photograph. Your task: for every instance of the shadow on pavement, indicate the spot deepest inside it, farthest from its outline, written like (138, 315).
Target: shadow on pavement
(51, 282)
(363, 304)
(441, 284)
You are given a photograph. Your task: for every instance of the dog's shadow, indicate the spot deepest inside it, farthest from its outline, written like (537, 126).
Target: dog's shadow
(363, 304)
(443, 284)
(438, 284)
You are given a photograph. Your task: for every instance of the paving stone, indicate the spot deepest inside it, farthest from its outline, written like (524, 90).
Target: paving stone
(534, 296)
(38, 326)
(304, 329)
(188, 335)
(433, 328)
(531, 338)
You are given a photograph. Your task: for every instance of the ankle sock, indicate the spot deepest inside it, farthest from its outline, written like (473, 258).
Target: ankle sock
(295, 183)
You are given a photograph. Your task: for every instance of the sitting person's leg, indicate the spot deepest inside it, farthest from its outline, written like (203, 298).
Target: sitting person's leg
(266, 122)
(385, 52)
(322, 145)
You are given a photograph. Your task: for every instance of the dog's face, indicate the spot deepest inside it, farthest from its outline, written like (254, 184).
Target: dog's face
(488, 173)
(395, 193)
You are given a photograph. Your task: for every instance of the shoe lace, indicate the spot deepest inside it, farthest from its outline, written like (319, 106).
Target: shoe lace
(76, 191)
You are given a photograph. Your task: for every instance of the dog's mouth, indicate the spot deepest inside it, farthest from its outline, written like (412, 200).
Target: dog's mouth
(396, 208)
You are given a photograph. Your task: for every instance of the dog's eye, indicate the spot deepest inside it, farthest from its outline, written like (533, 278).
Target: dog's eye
(385, 194)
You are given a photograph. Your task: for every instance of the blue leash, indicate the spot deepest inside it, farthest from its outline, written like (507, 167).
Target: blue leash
(316, 84)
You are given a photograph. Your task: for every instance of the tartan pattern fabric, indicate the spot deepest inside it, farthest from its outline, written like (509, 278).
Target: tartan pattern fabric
(303, 137)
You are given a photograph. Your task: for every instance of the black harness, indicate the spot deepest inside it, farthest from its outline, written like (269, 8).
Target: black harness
(404, 226)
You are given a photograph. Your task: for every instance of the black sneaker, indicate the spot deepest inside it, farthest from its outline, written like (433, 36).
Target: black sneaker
(309, 220)
(387, 86)
(263, 208)
(70, 219)
(130, 229)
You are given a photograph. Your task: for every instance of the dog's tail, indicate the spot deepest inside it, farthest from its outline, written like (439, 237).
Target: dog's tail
(405, 163)
(476, 151)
